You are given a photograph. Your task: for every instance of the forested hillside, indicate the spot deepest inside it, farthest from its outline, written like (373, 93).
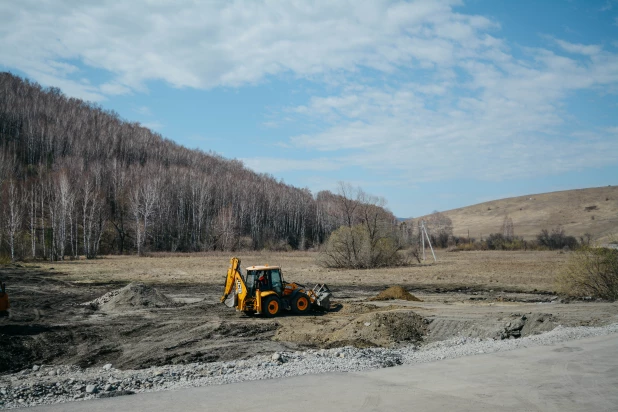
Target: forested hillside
(78, 180)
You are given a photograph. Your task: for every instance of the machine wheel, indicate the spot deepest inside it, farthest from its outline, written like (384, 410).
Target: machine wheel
(271, 306)
(301, 304)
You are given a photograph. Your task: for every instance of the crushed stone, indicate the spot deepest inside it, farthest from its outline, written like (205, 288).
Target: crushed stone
(31, 387)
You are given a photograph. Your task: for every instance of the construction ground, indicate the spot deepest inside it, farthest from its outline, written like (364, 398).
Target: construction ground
(146, 312)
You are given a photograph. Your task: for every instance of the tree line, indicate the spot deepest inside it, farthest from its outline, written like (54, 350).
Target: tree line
(76, 179)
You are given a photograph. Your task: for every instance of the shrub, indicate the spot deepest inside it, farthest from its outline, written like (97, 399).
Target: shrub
(351, 247)
(5, 259)
(556, 239)
(591, 272)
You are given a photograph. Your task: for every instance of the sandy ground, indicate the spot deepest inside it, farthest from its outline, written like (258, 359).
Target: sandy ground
(501, 295)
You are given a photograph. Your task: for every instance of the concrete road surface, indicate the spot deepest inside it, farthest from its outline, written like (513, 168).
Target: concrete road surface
(579, 375)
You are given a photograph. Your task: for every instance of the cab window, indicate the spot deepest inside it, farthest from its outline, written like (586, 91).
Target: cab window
(250, 282)
(276, 282)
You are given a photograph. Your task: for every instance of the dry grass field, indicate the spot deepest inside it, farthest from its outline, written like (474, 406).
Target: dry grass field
(500, 270)
(593, 211)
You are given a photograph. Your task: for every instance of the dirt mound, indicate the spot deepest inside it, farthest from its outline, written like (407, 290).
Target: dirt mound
(396, 292)
(380, 329)
(137, 295)
(103, 299)
(356, 308)
(384, 328)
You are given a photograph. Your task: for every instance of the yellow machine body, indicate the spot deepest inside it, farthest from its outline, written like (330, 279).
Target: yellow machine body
(263, 291)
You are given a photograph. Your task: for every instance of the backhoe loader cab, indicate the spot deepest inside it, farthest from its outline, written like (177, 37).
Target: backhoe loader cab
(262, 290)
(264, 278)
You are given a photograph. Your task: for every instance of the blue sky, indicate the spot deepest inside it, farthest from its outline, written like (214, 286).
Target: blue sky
(432, 105)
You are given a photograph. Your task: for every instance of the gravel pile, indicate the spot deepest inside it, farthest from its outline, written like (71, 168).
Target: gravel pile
(53, 384)
(101, 300)
(133, 295)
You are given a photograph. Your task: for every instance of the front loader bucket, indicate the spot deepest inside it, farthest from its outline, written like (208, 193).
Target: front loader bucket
(322, 296)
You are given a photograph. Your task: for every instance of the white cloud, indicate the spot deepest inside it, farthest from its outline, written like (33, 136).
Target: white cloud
(509, 123)
(143, 110)
(114, 89)
(454, 100)
(221, 43)
(156, 125)
(589, 50)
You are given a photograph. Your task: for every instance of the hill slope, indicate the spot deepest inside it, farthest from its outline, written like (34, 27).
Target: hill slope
(76, 179)
(580, 211)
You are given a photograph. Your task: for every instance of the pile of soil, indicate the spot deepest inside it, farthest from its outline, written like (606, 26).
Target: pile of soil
(380, 329)
(137, 295)
(101, 300)
(356, 308)
(396, 292)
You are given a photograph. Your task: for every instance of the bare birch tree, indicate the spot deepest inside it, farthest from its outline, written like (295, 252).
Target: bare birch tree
(14, 214)
(143, 198)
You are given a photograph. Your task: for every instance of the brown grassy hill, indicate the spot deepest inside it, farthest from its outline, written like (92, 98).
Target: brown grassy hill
(580, 211)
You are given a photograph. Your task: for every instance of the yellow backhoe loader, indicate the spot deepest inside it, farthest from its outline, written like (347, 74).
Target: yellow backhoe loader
(263, 291)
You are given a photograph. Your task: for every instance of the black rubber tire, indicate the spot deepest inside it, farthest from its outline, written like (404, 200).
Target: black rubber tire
(271, 306)
(301, 305)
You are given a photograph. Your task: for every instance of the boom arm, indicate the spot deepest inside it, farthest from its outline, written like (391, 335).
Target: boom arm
(230, 281)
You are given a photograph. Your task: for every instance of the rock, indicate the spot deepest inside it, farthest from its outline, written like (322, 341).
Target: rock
(36, 368)
(107, 366)
(107, 387)
(52, 373)
(158, 372)
(367, 323)
(91, 388)
(276, 357)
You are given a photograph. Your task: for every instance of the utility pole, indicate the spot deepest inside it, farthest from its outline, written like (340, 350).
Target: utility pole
(423, 230)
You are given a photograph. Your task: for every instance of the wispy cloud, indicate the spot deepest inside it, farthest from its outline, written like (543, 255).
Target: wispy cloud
(506, 120)
(589, 50)
(143, 110)
(156, 125)
(277, 165)
(607, 6)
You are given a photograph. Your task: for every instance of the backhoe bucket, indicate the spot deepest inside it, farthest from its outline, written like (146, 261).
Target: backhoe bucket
(322, 296)
(232, 300)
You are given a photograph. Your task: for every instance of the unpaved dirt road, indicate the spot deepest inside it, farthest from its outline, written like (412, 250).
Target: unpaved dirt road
(580, 375)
